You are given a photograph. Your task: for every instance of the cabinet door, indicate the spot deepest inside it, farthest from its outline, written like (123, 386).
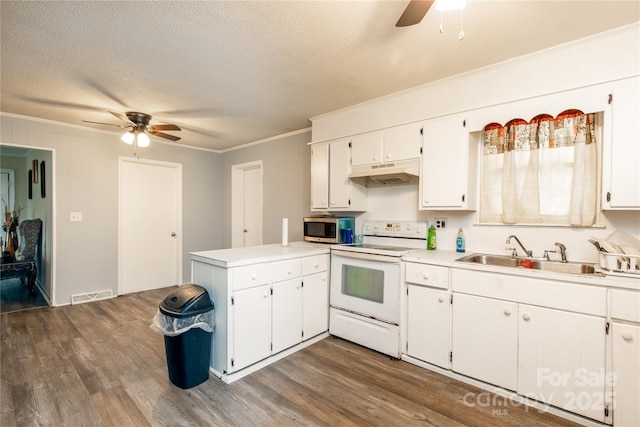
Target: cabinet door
(287, 314)
(315, 305)
(366, 149)
(484, 339)
(626, 374)
(625, 146)
(444, 164)
(339, 182)
(562, 359)
(320, 176)
(251, 333)
(428, 325)
(402, 142)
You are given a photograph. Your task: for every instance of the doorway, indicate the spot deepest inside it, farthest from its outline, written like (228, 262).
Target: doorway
(149, 224)
(246, 204)
(30, 200)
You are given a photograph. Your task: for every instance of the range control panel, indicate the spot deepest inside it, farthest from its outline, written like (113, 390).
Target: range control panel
(411, 229)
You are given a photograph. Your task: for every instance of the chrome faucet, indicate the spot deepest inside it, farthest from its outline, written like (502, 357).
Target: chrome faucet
(515, 252)
(563, 251)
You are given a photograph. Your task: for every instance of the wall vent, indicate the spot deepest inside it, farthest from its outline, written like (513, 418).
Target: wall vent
(92, 296)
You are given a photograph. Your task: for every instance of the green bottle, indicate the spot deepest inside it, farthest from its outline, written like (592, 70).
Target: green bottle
(431, 238)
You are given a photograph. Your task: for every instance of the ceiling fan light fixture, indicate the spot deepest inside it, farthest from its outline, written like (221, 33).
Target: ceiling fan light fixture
(450, 4)
(143, 140)
(128, 137)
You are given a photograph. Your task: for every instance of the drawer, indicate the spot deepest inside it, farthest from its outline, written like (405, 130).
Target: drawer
(527, 290)
(314, 264)
(285, 270)
(249, 276)
(625, 305)
(429, 275)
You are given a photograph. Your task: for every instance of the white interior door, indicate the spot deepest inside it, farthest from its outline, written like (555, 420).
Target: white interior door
(246, 202)
(150, 208)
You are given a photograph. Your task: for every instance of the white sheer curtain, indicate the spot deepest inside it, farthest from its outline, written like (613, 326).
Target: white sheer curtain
(540, 172)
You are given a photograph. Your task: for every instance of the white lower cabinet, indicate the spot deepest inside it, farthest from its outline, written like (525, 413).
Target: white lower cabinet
(625, 331)
(286, 315)
(315, 304)
(263, 309)
(484, 342)
(428, 312)
(626, 375)
(251, 333)
(561, 360)
(543, 339)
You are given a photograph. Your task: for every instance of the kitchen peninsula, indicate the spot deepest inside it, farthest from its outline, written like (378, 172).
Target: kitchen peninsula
(270, 301)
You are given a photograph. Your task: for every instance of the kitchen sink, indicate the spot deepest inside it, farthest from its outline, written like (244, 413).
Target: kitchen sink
(534, 264)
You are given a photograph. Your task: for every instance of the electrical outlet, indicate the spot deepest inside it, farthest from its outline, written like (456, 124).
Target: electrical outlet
(75, 216)
(441, 223)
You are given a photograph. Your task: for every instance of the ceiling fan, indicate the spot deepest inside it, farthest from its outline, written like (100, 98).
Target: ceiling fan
(138, 125)
(413, 14)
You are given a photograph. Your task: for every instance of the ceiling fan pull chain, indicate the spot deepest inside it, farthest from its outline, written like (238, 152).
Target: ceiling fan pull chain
(441, 29)
(461, 34)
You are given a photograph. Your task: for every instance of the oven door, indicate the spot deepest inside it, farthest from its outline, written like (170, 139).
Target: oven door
(366, 284)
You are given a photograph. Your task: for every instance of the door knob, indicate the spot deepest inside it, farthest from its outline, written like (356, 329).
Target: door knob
(173, 234)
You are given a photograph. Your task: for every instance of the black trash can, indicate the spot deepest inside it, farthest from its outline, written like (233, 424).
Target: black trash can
(187, 318)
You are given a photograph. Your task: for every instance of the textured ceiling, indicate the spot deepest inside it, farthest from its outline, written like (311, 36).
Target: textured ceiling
(235, 72)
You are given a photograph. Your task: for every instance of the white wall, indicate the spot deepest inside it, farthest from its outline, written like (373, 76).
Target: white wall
(286, 187)
(85, 180)
(604, 58)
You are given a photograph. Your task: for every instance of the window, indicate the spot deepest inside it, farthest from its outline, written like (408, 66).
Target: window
(540, 172)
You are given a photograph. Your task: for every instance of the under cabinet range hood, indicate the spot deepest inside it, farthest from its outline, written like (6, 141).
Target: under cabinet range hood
(391, 173)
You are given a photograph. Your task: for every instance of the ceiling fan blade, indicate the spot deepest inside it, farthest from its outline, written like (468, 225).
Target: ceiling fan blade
(106, 124)
(164, 135)
(164, 127)
(413, 14)
(122, 117)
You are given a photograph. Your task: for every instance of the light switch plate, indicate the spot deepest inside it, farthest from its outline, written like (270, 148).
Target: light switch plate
(75, 216)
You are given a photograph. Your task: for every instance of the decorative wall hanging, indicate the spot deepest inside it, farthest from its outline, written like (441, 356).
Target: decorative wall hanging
(35, 172)
(43, 190)
(30, 184)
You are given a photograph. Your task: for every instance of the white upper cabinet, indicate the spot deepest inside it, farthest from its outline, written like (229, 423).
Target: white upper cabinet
(621, 174)
(320, 176)
(366, 149)
(448, 177)
(331, 188)
(388, 145)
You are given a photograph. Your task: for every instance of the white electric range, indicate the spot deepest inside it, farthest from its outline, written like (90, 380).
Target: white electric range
(366, 282)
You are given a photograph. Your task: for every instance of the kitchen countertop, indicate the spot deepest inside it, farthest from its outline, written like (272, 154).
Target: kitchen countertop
(235, 257)
(448, 259)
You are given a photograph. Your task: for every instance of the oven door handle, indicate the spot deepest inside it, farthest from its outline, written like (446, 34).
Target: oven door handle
(366, 257)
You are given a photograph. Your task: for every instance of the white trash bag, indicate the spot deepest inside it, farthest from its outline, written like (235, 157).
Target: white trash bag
(172, 326)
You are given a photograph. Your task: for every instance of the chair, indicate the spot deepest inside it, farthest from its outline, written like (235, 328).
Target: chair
(25, 266)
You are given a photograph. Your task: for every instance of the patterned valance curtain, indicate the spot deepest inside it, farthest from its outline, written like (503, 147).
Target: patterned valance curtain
(541, 171)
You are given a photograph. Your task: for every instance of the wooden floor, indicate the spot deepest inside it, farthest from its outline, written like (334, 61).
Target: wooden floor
(14, 296)
(99, 364)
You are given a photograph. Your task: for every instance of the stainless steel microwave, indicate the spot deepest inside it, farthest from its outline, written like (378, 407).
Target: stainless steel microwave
(328, 229)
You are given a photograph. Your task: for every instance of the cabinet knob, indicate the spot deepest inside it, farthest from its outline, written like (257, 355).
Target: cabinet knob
(253, 277)
(507, 312)
(526, 317)
(627, 336)
(426, 276)
(440, 299)
(427, 201)
(298, 286)
(266, 294)
(316, 265)
(289, 272)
